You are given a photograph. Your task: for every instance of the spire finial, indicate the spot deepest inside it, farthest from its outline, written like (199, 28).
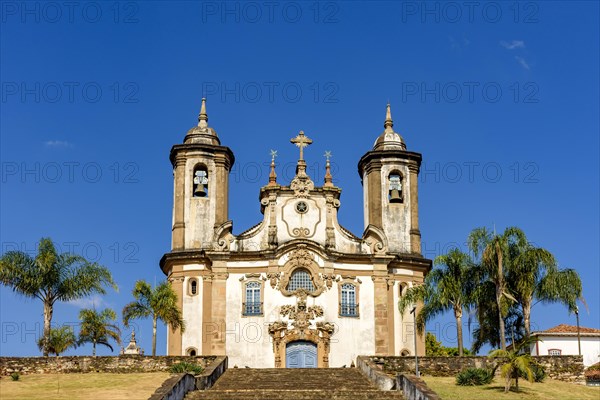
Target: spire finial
(389, 123)
(203, 117)
(328, 176)
(273, 175)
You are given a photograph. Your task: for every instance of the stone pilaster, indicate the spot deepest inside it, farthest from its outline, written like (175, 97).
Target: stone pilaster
(178, 242)
(174, 341)
(219, 308)
(415, 234)
(373, 171)
(222, 165)
(380, 306)
(207, 325)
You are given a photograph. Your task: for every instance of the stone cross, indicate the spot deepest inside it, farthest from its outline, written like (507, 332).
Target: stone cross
(301, 141)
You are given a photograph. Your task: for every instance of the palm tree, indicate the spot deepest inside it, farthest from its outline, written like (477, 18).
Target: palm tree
(52, 277)
(58, 340)
(515, 363)
(534, 275)
(495, 250)
(158, 303)
(97, 328)
(446, 288)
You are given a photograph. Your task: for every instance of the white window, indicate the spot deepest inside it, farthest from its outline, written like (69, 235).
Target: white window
(348, 306)
(252, 304)
(554, 352)
(301, 279)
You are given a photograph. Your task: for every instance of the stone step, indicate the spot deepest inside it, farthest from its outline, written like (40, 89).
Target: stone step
(266, 394)
(296, 378)
(293, 384)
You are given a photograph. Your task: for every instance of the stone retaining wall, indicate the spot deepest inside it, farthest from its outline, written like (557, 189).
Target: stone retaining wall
(82, 364)
(414, 388)
(563, 368)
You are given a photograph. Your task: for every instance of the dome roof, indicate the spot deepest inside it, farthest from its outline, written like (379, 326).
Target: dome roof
(202, 133)
(389, 140)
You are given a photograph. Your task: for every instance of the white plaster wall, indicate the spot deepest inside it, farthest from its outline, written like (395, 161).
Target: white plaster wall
(199, 214)
(353, 336)
(396, 216)
(247, 339)
(590, 347)
(248, 342)
(403, 325)
(192, 314)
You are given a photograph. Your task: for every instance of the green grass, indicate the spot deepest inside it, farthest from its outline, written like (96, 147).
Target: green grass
(447, 389)
(103, 386)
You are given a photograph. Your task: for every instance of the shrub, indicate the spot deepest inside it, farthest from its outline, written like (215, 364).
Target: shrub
(15, 376)
(539, 373)
(593, 372)
(183, 367)
(474, 376)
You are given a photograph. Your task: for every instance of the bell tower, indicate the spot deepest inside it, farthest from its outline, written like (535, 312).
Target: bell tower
(389, 176)
(201, 186)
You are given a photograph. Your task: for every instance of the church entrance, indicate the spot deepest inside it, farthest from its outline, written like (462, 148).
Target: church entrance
(301, 354)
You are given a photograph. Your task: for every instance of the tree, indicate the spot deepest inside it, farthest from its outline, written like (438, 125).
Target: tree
(445, 288)
(495, 250)
(534, 275)
(158, 303)
(97, 328)
(58, 340)
(434, 348)
(52, 277)
(515, 363)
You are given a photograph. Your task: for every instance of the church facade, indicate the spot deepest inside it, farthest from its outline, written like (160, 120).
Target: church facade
(297, 289)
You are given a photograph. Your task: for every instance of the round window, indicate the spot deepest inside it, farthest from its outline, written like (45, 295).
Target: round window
(301, 207)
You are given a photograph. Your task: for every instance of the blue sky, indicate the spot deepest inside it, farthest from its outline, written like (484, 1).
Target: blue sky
(502, 100)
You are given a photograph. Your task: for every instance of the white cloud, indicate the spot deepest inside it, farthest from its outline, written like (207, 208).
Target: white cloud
(522, 61)
(58, 143)
(515, 44)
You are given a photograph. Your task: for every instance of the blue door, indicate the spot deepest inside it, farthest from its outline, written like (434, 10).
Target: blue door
(301, 354)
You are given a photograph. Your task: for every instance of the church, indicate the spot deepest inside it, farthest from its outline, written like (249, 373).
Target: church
(297, 289)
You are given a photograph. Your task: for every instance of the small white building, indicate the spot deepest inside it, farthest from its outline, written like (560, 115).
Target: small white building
(562, 341)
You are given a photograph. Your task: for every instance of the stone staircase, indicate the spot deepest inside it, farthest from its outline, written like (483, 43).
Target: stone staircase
(293, 384)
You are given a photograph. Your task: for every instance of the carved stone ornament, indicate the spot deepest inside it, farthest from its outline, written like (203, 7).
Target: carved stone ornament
(376, 239)
(303, 259)
(329, 279)
(330, 238)
(301, 185)
(299, 325)
(223, 236)
(273, 278)
(272, 236)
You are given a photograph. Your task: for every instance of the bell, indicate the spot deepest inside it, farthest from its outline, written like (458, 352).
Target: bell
(395, 196)
(200, 190)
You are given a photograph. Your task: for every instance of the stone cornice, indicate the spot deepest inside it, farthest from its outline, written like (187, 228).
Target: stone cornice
(207, 257)
(223, 154)
(376, 155)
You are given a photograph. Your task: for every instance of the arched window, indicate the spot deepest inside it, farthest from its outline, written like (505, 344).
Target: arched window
(348, 305)
(301, 279)
(200, 184)
(193, 286)
(395, 194)
(191, 352)
(252, 304)
(405, 353)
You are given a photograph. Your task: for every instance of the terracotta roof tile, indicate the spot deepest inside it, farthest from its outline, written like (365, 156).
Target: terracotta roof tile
(564, 328)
